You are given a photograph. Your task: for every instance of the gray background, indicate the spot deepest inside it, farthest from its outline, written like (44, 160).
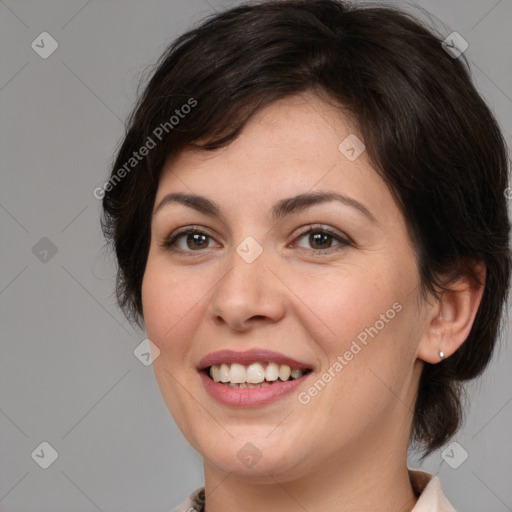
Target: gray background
(68, 373)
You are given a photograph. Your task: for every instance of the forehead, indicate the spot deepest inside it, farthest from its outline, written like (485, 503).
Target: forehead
(292, 146)
(302, 123)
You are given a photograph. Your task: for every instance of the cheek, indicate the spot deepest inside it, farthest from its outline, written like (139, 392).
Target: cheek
(170, 313)
(350, 303)
(168, 295)
(372, 352)
(370, 325)
(170, 302)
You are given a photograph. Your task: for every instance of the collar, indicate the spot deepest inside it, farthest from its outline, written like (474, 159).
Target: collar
(431, 496)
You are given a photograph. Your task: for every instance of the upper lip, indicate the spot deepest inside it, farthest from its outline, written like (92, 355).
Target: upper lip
(248, 357)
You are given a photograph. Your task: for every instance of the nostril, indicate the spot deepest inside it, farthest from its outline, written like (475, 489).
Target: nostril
(257, 317)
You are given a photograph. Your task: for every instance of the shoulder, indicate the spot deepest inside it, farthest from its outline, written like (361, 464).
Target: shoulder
(431, 497)
(194, 503)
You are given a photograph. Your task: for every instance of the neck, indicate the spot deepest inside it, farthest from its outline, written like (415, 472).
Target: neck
(375, 480)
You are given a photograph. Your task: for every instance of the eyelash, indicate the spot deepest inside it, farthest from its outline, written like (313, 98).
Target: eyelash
(169, 242)
(319, 229)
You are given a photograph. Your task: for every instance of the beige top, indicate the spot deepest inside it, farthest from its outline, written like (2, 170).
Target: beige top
(431, 497)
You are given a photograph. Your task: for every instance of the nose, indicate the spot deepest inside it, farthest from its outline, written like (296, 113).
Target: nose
(249, 294)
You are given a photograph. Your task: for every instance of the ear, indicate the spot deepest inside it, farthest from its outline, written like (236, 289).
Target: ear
(452, 316)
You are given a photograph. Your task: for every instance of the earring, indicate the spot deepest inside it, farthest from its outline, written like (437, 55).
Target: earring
(441, 355)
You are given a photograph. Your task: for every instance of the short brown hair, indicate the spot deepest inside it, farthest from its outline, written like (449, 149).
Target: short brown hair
(426, 129)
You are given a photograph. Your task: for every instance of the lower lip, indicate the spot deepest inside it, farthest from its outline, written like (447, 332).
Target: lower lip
(250, 397)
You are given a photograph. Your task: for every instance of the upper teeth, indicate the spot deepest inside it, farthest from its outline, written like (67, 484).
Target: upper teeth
(253, 374)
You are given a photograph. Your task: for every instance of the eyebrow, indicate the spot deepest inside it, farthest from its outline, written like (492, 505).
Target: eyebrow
(280, 209)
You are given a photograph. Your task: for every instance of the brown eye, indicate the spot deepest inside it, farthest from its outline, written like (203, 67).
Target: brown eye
(197, 241)
(321, 239)
(188, 240)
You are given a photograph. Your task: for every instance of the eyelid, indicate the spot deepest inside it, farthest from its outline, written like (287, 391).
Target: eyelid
(169, 241)
(312, 228)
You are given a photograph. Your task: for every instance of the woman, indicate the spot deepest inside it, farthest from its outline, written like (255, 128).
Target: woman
(309, 216)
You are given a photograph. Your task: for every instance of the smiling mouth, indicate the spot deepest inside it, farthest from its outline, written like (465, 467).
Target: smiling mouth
(255, 375)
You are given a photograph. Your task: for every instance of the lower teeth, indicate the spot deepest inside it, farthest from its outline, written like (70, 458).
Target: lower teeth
(245, 384)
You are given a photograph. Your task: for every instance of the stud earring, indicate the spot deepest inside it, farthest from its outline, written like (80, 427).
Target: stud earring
(441, 355)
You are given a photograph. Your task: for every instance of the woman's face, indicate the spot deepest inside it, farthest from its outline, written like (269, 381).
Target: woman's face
(251, 290)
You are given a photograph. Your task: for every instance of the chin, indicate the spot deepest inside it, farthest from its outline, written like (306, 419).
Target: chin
(257, 458)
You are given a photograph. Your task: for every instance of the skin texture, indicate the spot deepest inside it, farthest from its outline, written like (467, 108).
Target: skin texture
(348, 444)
